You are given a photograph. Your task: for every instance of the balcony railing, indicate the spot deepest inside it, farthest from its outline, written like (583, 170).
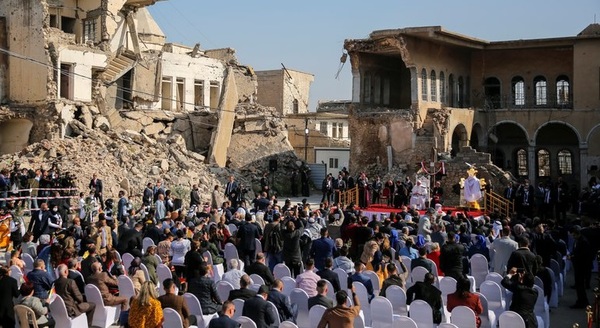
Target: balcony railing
(551, 102)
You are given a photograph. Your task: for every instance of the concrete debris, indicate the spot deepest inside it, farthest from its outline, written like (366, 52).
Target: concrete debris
(101, 122)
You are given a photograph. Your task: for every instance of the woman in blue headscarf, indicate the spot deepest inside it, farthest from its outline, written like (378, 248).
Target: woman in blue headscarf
(479, 247)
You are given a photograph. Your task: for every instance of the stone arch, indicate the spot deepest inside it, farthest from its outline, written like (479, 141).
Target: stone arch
(460, 138)
(555, 137)
(504, 139)
(14, 135)
(477, 137)
(558, 124)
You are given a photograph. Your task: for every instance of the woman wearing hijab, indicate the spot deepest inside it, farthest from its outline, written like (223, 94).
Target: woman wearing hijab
(479, 247)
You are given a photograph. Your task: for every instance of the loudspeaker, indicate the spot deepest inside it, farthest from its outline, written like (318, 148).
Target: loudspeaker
(272, 165)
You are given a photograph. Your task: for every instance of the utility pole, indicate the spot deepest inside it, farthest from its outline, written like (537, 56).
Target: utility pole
(306, 139)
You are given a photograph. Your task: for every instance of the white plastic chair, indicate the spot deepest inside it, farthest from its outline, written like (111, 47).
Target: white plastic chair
(104, 316)
(16, 273)
(418, 274)
(273, 309)
(382, 314)
(493, 294)
(479, 268)
(218, 271)
(487, 316)
(258, 245)
(196, 309)
(223, 289)
(541, 307)
(463, 317)
(172, 319)
(230, 252)
(510, 319)
(254, 287)
(287, 324)
(160, 260)
(299, 297)
(147, 242)
(554, 296)
(330, 291)
(256, 279)
(397, 297)
(62, 319)
(144, 269)
(538, 282)
(374, 281)
(447, 325)
(281, 270)
(289, 284)
(421, 313)
(239, 308)
(163, 273)
(126, 287)
(558, 276)
(315, 313)
(245, 322)
(127, 259)
(232, 228)
(406, 260)
(447, 287)
(363, 297)
(404, 322)
(117, 255)
(342, 277)
(28, 262)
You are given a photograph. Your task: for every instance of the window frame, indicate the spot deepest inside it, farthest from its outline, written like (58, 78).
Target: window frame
(565, 157)
(424, 86)
(540, 87)
(542, 172)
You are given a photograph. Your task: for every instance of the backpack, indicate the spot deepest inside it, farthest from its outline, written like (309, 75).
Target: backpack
(275, 240)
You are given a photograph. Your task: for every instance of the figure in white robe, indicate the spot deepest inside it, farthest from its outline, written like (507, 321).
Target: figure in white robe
(418, 196)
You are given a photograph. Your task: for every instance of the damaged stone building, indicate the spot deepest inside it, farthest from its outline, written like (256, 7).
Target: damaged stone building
(425, 93)
(73, 68)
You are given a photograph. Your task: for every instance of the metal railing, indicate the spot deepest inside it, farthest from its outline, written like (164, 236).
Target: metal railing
(492, 201)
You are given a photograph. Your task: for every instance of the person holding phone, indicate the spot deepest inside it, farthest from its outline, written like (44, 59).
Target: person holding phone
(520, 282)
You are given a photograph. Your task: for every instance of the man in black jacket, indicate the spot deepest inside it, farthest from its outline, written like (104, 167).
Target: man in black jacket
(244, 293)
(426, 291)
(257, 309)
(131, 241)
(204, 288)
(246, 235)
(329, 275)
(524, 295)
(394, 279)
(451, 258)
(261, 269)
(321, 297)
(523, 257)
(582, 259)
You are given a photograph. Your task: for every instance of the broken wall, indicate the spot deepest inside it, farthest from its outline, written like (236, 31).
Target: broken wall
(221, 138)
(189, 71)
(29, 81)
(82, 62)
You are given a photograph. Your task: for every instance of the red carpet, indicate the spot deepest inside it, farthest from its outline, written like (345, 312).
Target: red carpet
(381, 208)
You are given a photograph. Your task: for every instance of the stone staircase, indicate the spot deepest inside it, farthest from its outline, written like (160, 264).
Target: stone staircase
(118, 66)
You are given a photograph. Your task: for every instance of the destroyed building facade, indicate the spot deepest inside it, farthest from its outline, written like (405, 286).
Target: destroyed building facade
(73, 68)
(423, 93)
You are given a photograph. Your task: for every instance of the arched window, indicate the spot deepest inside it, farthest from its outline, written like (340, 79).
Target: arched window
(518, 91)
(451, 97)
(295, 107)
(460, 92)
(565, 162)
(562, 90)
(492, 93)
(543, 159)
(522, 162)
(433, 84)
(424, 85)
(442, 88)
(541, 90)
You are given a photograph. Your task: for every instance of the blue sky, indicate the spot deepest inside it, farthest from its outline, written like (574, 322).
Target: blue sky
(309, 35)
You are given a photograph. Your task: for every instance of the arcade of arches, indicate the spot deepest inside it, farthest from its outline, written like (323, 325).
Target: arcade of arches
(553, 149)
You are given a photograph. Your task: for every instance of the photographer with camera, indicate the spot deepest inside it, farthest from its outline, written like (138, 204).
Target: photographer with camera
(520, 283)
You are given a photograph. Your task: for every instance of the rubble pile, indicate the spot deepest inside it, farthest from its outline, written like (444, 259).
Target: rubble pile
(126, 161)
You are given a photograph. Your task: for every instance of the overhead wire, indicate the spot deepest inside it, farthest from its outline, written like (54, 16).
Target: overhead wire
(121, 88)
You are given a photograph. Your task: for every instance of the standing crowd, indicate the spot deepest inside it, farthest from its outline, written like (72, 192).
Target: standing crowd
(90, 249)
